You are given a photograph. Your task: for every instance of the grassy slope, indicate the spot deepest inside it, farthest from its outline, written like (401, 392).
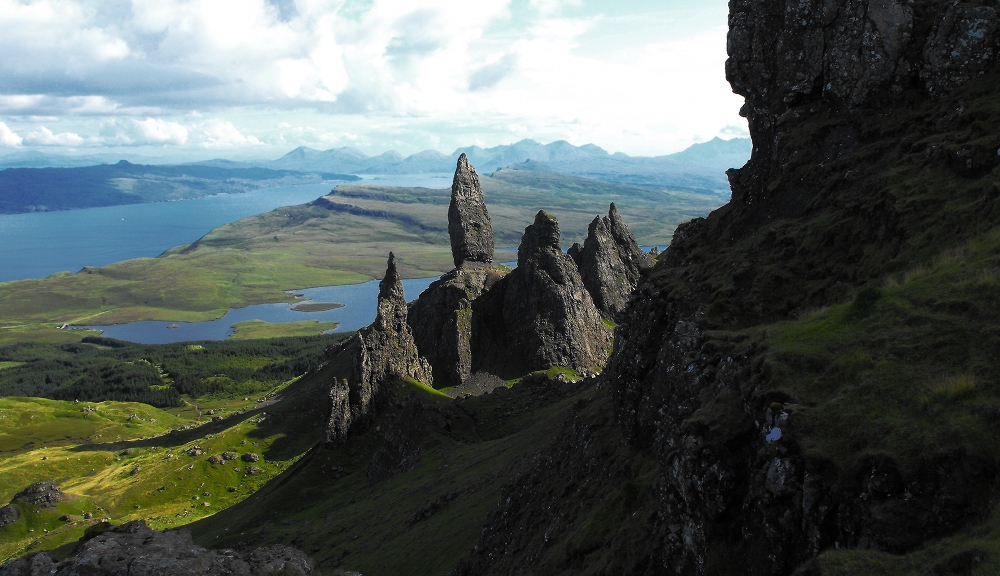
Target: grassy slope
(905, 372)
(86, 453)
(420, 520)
(253, 260)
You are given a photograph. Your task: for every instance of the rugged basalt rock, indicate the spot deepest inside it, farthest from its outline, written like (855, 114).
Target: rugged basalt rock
(468, 220)
(610, 263)
(381, 353)
(540, 314)
(441, 318)
(135, 549)
(45, 494)
(852, 105)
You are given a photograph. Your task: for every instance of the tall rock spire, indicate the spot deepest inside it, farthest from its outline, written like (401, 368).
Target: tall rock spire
(380, 354)
(468, 220)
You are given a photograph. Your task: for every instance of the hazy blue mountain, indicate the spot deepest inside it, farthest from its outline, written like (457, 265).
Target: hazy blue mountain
(717, 152)
(34, 159)
(700, 167)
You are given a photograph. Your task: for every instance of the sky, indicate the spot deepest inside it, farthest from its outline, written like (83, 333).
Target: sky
(254, 79)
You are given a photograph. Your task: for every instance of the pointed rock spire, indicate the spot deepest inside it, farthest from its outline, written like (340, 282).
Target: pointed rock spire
(610, 263)
(468, 220)
(540, 315)
(391, 299)
(380, 354)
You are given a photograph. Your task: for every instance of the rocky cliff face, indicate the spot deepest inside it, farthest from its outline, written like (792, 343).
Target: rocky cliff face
(381, 353)
(830, 88)
(874, 128)
(468, 220)
(540, 314)
(441, 320)
(610, 263)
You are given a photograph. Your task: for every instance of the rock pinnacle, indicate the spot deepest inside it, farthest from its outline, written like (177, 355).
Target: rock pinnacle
(468, 220)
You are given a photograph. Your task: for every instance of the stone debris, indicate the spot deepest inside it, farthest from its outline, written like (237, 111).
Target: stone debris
(135, 549)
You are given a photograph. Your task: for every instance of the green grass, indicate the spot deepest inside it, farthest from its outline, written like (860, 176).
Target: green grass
(5, 365)
(906, 371)
(257, 329)
(974, 551)
(127, 461)
(329, 506)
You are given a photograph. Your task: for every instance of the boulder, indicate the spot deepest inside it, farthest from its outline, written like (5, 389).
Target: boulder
(9, 514)
(45, 494)
(468, 220)
(135, 549)
(540, 314)
(610, 263)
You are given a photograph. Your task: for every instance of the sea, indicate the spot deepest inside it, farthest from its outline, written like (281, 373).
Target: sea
(43, 243)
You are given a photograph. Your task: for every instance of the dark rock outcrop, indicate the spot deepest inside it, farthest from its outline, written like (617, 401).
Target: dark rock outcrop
(610, 263)
(45, 494)
(468, 220)
(135, 549)
(540, 314)
(852, 106)
(9, 514)
(441, 320)
(380, 354)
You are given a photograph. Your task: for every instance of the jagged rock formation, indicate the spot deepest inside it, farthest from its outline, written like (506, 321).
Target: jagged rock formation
(468, 220)
(540, 314)
(610, 263)
(381, 353)
(136, 550)
(812, 218)
(441, 320)
(852, 105)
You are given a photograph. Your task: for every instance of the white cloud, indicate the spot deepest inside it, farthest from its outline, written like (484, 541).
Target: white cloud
(42, 136)
(549, 7)
(8, 137)
(406, 73)
(151, 131)
(218, 134)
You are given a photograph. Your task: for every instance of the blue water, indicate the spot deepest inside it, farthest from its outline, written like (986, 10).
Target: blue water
(359, 302)
(40, 244)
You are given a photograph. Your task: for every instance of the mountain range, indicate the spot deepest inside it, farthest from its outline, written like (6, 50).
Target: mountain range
(700, 167)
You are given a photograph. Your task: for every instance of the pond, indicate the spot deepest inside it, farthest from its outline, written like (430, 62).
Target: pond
(358, 310)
